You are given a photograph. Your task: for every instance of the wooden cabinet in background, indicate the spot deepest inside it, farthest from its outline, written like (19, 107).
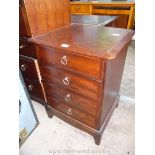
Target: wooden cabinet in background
(81, 9)
(124, 9)
(37, 17)
(40, 16)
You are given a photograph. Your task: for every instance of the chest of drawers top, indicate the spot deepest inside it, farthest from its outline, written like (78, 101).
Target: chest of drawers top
(100, 42)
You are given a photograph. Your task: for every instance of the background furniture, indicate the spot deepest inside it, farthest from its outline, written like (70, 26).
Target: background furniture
(125, 9)
(37, 17)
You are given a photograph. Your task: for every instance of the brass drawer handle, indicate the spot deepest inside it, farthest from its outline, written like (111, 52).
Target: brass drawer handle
(22, 46)
(66, 81)
(68, 97)
(23, 67)
(77, 8)
(64, 60)
(30, 87)
(69, 111)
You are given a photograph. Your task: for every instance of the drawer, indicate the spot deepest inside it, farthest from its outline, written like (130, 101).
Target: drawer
(81, 8)
(35, 90)
(69, 97)
(28, 68)
(88, 66)
(82, 85)
(72, 112)
(26, 48)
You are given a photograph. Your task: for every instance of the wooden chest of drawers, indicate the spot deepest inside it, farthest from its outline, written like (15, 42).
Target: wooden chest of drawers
(81, 75)
(44, 16)
(75, 70)
(30, 71)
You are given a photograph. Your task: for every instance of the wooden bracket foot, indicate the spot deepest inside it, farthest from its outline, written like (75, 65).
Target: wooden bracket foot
(97, 139)
(49, 113)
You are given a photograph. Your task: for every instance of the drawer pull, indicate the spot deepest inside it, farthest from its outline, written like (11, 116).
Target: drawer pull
(22, 46)
(64, 60)
(23, 67)
(69, 111)
(67, 97)
(66, 81)
(30, 87)
(77, 8)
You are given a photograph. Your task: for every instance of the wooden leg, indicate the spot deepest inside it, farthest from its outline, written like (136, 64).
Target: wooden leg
(117, 105)
(97, 139)
(117, 101)
(49, 113)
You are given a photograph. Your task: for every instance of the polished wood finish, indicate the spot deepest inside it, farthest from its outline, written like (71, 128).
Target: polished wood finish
(96, 20)
(75, 82)
(35, 90)
(27, 49)
(41, 16)
(106, 42)
(120, 22)
(30, 71)
(81, 9)
(124, 9)
(74, 113)
(72, 61)
(37, 17)
(113, 76)
(83, 88)
(97, 134)
(24, 29)
(72, 98)
(28, 68)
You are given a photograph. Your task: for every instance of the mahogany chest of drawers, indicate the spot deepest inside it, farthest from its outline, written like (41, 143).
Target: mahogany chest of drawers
(81, 74)
(74, 70)
(30, 70)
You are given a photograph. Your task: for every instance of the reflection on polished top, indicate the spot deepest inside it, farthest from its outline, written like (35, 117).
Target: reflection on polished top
(101, 42)
(96, 20)
(104, 1)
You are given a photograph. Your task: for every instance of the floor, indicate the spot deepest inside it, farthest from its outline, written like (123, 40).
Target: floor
(55, 137)
(128, 79)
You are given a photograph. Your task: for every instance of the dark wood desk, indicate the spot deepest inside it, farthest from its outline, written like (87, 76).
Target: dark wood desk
(96, 20)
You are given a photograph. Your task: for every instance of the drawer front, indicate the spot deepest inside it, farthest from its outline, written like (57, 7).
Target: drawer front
(35, 90)
(81, 8)
(89, 88)
(88, 66)
(69, 97)
(28, 68)
(72, 112)
(27, 49)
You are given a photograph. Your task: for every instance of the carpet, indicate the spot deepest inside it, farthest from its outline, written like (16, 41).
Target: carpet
(55, 137)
